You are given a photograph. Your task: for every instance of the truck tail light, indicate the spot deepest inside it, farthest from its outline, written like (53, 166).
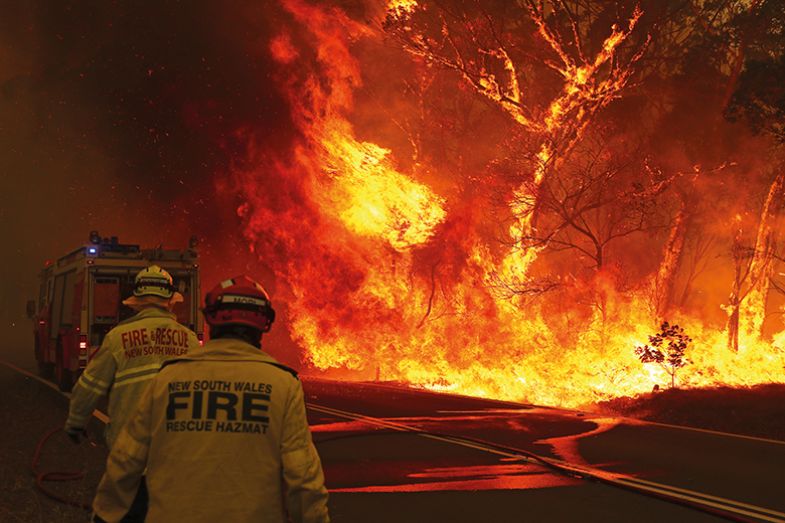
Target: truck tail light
(200, 337)
(83, 351)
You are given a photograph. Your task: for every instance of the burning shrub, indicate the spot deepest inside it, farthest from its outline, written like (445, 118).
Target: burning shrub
(666, 349)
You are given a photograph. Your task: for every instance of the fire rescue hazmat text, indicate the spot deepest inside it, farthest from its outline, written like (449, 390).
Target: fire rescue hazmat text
(244, 406)
(160, 341)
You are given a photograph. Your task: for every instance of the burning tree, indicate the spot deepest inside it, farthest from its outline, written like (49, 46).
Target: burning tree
(600, 195)
(551, 88)
(667, 349)
(380, 231)
(759, 99)
(687, 204)
(754, 266)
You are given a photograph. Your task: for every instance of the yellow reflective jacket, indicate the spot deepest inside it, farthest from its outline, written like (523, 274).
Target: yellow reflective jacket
(130, 356)
(223, 436)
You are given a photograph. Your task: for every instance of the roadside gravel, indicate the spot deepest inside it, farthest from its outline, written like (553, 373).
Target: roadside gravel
(27, 411)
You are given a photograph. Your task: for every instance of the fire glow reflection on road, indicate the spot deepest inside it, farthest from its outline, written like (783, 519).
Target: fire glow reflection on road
(479, 477)
(510, 474)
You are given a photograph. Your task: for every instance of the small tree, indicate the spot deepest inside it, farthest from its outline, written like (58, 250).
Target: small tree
(666, 349)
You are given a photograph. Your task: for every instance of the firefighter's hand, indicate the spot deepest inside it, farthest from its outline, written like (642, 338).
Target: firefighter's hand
(76, 434)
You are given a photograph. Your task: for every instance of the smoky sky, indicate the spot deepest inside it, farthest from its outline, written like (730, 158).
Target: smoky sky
(124, 117)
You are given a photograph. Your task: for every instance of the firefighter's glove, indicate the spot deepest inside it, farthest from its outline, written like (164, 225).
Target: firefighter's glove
(76, 434)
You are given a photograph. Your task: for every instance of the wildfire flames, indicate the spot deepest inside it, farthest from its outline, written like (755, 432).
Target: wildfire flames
(398, 268)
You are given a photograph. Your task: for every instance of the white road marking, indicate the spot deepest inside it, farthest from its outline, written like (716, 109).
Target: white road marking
(523, 407)
(728, 505)
(589, 416)
(698, 498)
(633, 421)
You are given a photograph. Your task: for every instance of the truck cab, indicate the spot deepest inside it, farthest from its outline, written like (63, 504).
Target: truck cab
(80, 300)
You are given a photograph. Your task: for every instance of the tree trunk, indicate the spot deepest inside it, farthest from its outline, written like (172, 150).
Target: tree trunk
(733, 327)
(762, 266)
(666, 275)
(527, 208)
(735, 298)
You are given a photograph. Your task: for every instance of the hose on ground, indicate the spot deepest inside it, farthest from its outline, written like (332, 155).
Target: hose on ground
(42, 477)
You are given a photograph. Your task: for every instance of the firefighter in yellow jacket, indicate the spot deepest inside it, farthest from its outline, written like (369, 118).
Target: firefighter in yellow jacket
(131, 354)
(222, 434)
(129, 357)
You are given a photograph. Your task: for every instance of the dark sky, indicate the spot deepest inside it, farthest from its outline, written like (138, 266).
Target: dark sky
(121, 117)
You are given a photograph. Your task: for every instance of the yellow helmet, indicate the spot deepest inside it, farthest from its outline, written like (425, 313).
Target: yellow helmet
(154, 281)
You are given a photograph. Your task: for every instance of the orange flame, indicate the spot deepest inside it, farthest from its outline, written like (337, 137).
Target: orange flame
(386, 278)
(371, 197)
(401, 7)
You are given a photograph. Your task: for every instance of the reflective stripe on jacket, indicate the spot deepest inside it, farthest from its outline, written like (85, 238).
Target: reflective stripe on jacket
(130, 356)
(223, 437)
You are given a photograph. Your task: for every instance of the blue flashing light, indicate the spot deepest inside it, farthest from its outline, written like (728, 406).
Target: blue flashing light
(92, 251)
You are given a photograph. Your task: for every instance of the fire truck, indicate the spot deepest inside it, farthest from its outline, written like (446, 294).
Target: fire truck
(80, 300)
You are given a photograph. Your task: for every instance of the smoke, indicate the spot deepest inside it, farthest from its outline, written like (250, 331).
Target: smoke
(126, 119)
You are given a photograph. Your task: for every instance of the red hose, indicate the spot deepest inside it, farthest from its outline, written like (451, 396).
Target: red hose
(41, 477)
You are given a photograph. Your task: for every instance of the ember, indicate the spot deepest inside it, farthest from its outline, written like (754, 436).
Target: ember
(507, 199)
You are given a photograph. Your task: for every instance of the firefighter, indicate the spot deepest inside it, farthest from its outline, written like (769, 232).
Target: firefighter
(129, 357)
(222, 434)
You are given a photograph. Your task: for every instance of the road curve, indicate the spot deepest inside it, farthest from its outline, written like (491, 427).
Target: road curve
(396, 454)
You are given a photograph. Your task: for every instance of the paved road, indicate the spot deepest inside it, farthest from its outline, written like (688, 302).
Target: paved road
(480, 476)
(28, 410)
(394, 454)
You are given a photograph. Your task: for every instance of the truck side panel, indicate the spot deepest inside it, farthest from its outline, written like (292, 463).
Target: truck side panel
(56, 309)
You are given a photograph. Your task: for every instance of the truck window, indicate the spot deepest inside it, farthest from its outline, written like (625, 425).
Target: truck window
(106, 307)
(106, 300)
(109, 290)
